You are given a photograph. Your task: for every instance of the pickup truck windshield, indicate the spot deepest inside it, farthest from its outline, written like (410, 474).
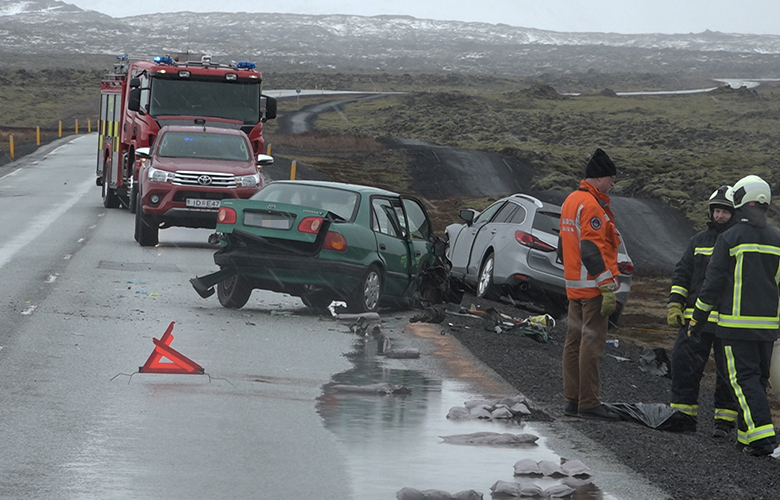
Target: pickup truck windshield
(204, 145)
(220, 99)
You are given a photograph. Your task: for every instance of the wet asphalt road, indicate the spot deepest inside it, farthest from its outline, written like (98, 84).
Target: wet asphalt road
(81, 304)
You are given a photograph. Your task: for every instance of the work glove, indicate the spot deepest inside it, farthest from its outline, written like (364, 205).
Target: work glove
(694, 330)
(674, 314)
(608, 303)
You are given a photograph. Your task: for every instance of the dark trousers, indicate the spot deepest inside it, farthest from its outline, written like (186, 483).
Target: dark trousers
(688, 361)
(748, 369)
(586, 336)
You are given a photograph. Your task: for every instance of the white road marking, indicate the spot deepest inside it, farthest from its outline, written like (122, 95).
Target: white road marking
(29, 310)
(9, 174)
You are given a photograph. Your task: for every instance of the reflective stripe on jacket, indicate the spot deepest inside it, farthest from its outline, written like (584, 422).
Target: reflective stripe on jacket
(589, 242)
(743, 276)
(689, 272)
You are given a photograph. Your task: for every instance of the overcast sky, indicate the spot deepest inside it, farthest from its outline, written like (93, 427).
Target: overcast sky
(619, 16)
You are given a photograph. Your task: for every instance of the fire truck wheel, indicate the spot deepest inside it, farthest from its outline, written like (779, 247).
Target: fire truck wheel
(234, 292)
(147, 233)
(110, 199)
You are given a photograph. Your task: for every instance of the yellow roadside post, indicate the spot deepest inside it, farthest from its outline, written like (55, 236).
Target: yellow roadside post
(38, 136)
(268, 150)
(76, 126)
(59, 132)
(11, 144)
(292, 169)
(89, 125)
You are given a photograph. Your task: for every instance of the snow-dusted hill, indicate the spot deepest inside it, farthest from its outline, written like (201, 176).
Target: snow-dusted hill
(392, 43)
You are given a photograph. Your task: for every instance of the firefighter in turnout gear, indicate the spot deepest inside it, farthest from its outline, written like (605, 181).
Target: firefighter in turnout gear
(588, 247)
(689, 356)
(742, 282)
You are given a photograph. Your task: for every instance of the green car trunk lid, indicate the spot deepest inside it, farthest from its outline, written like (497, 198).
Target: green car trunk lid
(274, 227)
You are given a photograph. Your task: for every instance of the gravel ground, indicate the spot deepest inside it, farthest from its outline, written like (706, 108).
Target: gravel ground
(685, 465)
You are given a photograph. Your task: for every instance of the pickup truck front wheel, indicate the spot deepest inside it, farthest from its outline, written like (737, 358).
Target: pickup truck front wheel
(147, 232)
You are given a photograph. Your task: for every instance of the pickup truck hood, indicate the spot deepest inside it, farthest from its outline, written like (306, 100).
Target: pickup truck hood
(204, 165)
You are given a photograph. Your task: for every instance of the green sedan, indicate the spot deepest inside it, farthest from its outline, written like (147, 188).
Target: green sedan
(326, 241)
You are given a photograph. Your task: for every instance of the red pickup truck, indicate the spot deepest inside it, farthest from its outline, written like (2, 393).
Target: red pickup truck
(187, 172)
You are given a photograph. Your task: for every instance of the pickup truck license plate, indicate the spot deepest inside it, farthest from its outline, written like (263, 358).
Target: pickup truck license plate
(198, 203)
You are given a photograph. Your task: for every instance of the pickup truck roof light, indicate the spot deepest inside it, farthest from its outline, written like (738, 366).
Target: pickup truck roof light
(184, 74)
(245, 65)
(231, 76)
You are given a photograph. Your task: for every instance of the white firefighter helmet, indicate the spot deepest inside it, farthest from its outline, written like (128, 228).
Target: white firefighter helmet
(720, 199)
(750, 188)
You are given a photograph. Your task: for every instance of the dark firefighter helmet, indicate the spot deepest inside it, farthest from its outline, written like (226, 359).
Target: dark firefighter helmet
(719, 199)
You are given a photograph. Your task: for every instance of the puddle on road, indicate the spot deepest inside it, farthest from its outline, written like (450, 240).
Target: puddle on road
(391, 442)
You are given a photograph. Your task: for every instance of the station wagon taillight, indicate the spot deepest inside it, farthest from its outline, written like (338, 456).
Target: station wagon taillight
(226, 216)
(530, 241)
(335, 241)
(310, 225)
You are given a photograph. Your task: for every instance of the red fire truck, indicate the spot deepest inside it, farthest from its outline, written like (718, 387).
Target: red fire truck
(136, 95)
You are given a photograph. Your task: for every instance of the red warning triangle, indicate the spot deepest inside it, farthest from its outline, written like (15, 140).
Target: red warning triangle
(177, 362)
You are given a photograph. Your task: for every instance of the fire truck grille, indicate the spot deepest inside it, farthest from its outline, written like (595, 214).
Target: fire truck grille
(205, 179)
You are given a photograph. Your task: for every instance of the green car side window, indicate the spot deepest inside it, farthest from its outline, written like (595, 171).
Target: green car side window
(384, 217)
(417, 219)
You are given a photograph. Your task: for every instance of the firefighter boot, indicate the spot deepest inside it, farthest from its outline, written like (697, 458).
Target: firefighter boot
(722, 429)
(760, 448)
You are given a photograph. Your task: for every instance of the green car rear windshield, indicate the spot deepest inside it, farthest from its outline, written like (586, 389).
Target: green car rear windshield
(204, 145)
(338, 201)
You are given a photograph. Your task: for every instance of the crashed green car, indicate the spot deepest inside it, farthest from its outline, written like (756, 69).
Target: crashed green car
(325, 242)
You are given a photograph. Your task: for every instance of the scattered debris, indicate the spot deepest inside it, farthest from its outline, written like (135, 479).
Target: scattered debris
(431, 314)
(505, 489)
(548, 468)
(655, 361)
(513, 407)
(492, 439)
(413, 494)
(398, 353)
(654, 415)
(536, 327)
(576, 469)
(382, 388)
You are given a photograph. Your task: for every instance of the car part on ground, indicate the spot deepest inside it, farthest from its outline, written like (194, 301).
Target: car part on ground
(325, 242)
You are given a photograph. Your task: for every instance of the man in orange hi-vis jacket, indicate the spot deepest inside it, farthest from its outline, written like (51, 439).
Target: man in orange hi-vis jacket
(588, 247)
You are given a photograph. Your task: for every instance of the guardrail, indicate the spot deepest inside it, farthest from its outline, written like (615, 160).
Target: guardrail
(24, 140)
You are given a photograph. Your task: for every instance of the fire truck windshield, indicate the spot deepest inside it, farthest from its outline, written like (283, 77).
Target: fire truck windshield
(234, 100)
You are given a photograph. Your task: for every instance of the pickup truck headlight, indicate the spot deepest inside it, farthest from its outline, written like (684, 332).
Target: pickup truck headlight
(156, 175)
(249, 181)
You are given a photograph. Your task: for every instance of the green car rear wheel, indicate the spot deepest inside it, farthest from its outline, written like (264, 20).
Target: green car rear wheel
(234, 292)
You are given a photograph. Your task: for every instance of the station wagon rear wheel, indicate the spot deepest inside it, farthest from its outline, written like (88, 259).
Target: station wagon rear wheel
(234, 292)
(369, 293)
(485, 287)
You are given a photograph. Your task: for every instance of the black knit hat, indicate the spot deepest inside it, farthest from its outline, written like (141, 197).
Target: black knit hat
(600, 165)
